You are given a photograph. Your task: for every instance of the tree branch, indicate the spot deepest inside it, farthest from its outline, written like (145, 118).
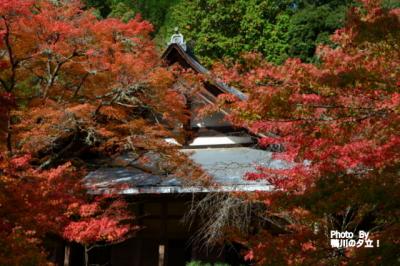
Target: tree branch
(10, 57)
(53, 74)
(80, 85)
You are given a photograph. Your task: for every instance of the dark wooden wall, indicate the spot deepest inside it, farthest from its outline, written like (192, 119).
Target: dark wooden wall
(161, 220)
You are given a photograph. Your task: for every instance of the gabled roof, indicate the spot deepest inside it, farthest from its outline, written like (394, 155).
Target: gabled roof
(176, 54)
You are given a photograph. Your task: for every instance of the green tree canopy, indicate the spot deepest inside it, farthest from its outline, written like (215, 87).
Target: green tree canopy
(277, 29)
(152, 10)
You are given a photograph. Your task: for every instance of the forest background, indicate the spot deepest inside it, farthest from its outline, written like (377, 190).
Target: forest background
(217, 29)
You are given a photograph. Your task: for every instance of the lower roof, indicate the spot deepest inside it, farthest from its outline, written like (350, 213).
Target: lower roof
(226, 166)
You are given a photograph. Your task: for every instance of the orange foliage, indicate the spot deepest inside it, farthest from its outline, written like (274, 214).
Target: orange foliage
(72, 84)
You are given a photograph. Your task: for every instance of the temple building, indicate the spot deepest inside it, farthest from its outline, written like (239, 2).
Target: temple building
(225, 152)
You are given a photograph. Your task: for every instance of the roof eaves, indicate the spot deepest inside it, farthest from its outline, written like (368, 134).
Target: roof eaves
(194, 64)
(181, 190)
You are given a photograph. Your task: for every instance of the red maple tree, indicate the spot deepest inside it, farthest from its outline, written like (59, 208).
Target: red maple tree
(74, 87)
(32, 204)
(337, 122)
(104, 221)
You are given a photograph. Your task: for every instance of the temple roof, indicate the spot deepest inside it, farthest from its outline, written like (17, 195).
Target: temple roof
(176, 54)
(226, 166)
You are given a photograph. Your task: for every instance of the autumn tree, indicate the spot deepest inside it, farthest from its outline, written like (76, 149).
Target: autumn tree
(75, 87)
(105, 221)
(338, 124)
(32, 205)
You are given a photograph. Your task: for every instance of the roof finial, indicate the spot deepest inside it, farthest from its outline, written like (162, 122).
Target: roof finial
(178, 39)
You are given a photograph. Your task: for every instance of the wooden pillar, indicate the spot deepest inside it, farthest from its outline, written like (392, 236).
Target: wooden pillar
(162, 248)
(67, 252)
(161, 255)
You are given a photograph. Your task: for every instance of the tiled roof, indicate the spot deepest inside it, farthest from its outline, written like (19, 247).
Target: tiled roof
(227, 167)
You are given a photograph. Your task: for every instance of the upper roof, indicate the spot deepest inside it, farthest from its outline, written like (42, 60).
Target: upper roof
(176, 54)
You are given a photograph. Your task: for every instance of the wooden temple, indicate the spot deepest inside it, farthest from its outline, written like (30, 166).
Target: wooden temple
(224, 152)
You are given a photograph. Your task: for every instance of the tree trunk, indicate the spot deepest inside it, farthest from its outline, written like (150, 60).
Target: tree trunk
(86, 255)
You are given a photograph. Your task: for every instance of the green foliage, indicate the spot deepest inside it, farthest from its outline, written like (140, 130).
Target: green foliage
(222, 28)
(152, 10)
(391, 4)
(155, 10)
(277, 29)
(102, 7)
(312, 24)
(123, 11)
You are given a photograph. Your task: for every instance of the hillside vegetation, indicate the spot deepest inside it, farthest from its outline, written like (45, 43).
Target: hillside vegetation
(216, 29)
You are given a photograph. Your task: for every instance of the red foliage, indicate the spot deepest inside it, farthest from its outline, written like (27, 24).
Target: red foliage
(97, 223)
(338, 122)
(72, 84)
(33, 203)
